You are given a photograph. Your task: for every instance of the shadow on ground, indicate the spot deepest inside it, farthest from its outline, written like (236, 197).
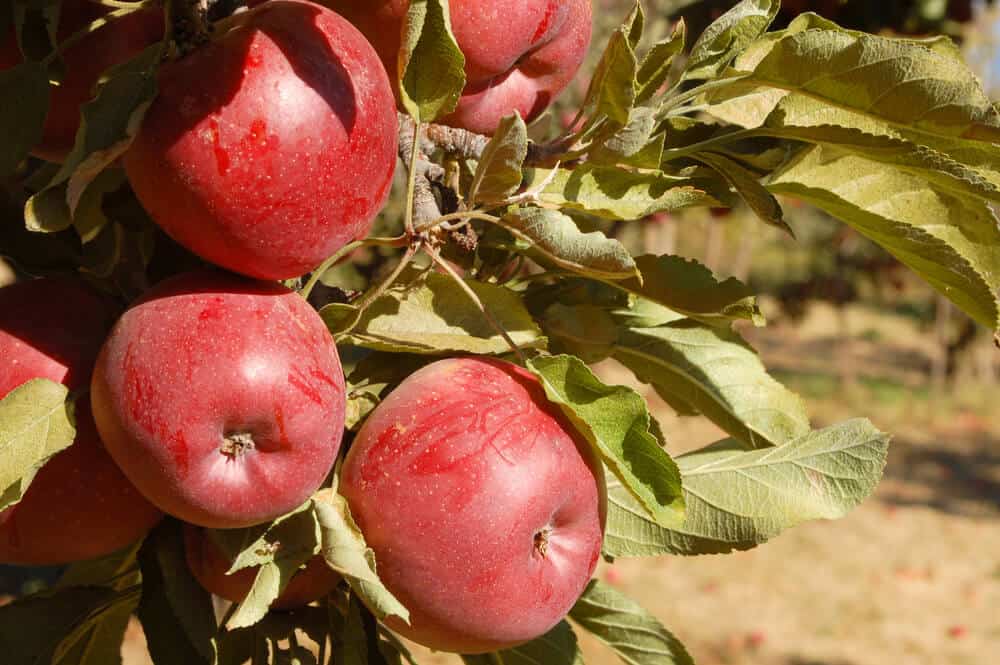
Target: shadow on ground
(953, 474)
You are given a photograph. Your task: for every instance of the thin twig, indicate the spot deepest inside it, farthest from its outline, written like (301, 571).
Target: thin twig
(344, 251)
(306, 290)
(411, 181)
(375, 293)
(479, 303)
(674, 102)
(421, 205)
(532, 277)
(462, 215)
(533, 194)
(708, 144)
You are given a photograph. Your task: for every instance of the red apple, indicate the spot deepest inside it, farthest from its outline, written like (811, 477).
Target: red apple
(271, 147)
(109, 45)
(79, 506)
(209, 565)
(221, 398)
(484, 507)
(519, 54)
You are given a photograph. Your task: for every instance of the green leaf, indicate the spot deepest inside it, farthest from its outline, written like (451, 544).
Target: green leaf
(268, 584)
(632, 144)
(431, 66)
(634, 24)
(6, 20)
(108, 125)
(312, 621)
(559, 241)
(433, 315)
(612, 90)
(802, 118)
(738, 499)
(47, 211)
(616, 421)
(585, 331)
(498, 172)
(294, 536)
(111, 121)
(812, 21)
(33, 628)
(35, 424)
(943, 44)
(372, 377)
(237, 647)
(357, 641)
(110, 570)
(688, 287)
(656, 64)
(395, 652)
(556, 647)
(176, 612)
(952, 241)
(614, 193)
(633, 633)
(345, 551)
(279, 552)
(718, 374)
(350, 643)
(79, 621)
(899, 82)
(359, 406)
(748, 104)
(36, 24)
(99, 642)
(937, 168)
(761, 201)
(642, 313)
(89, 218)
(21, 122)
(728, 36)
(121, 253)
(982, 157)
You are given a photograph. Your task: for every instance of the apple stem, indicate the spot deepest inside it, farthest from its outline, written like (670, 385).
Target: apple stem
(542, 541)
(436, 257)
(236, 444)
(376, 292)
(188, 24)
(411, 180)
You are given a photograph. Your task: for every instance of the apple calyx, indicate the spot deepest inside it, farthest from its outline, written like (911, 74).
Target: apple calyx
(236, 444)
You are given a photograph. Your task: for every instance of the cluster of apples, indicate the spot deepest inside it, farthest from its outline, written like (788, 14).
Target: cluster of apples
(218, 397)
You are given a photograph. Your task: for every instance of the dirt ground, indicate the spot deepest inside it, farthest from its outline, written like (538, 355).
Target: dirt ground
(910, 578)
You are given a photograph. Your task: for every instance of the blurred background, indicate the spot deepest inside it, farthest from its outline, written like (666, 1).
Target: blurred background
(913, 576)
